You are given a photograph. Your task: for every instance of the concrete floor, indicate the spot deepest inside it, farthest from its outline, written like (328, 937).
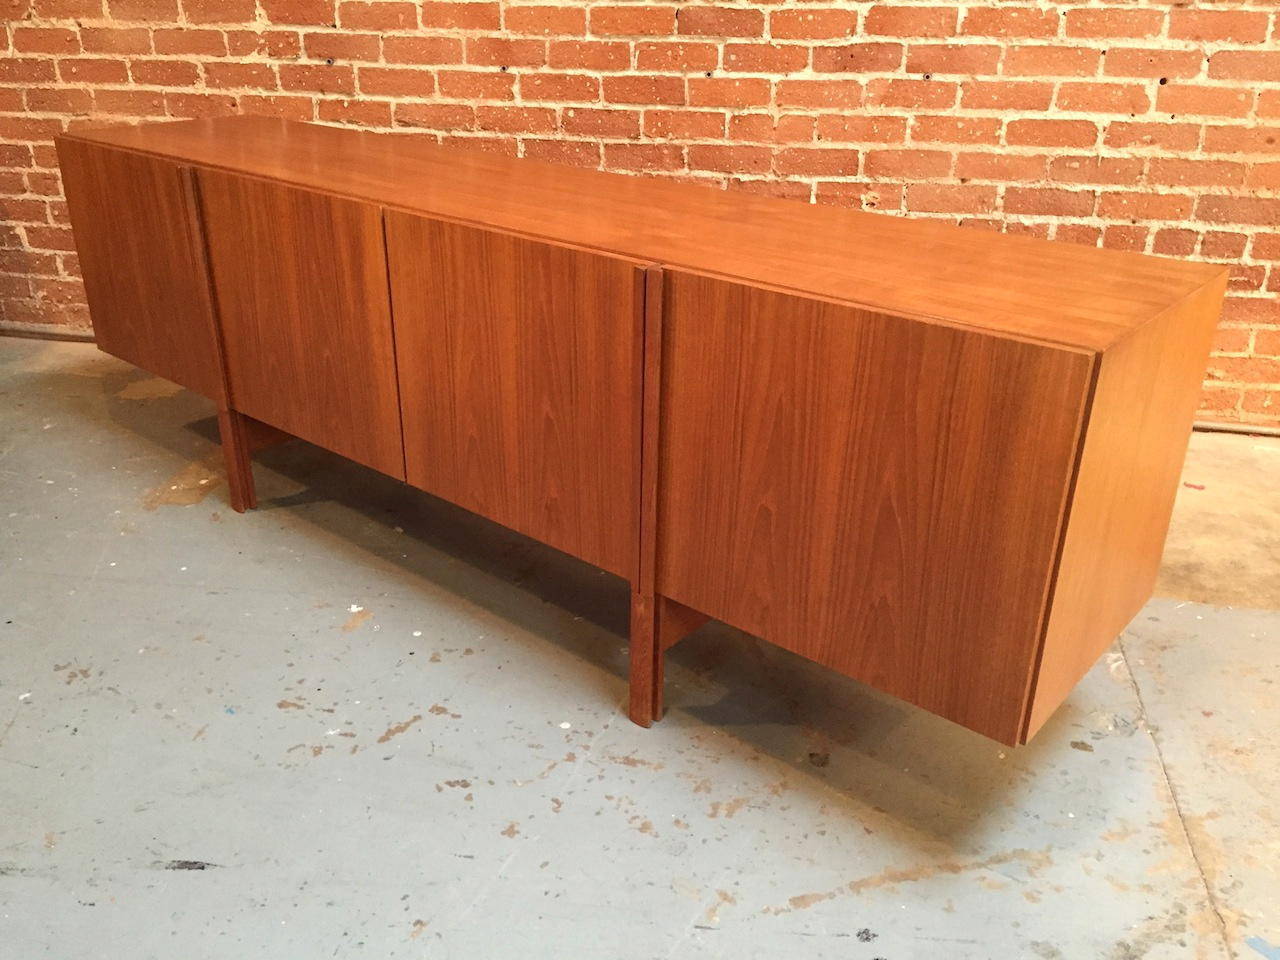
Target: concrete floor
(358, 722)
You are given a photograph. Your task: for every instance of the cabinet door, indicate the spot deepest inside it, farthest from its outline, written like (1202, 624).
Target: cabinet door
(301, 287)
(136, 233)
(519, 379)
(879, 494)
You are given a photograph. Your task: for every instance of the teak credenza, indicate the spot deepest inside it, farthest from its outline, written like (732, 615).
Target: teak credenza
(939, 460)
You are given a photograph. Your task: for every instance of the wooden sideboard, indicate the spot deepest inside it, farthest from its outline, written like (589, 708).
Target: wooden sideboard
(939, 460)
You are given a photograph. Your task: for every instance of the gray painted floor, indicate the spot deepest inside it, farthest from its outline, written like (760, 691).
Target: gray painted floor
(360, 723)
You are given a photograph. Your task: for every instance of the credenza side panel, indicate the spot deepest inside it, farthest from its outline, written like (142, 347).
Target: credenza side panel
(879, 494)
(1135, 442)
(301, 293)
(139, 247)
(519, 377)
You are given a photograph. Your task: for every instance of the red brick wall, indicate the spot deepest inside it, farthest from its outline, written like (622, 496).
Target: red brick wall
(1132, 123)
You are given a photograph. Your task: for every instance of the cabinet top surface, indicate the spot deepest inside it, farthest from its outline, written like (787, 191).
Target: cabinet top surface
(1012, 285)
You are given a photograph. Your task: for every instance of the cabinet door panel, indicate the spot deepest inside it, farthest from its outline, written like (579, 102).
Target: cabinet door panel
(881, 495)
(519, 377)
(138, 240)
(300, 280)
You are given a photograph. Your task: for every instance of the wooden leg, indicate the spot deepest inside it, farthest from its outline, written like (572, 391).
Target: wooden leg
(235, 450)
(657, 624)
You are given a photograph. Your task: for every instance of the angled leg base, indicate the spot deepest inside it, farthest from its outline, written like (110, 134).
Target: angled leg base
(657, 624)
(233, 428)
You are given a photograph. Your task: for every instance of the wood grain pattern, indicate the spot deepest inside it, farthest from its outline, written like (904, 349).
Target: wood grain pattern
(1056, 292)
(236, 450)
(139, 251)
(519, 374)
(301, 291)
(880, 495)
(1135, 443)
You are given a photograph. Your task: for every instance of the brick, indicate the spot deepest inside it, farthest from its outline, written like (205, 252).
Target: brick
(812, 24)
(504, 52)
(684, 124)
(1175, 242)
(367, 113)
(164, 73)
(283, 106)
(950, 198)
(1234, 26)
(1103, 98)
(1224, 244)
(816, 161)
(908, 164)
(681, 57)
(791, 129)
(1108, 170)
(254, 76)
(559, 86)
(966, 58)
(516, 119)
(819, 94)
(1242, 139)
(476, 85)
(862, 128)
(951, 129)
(318, 78)
(643, 156)
(1006, 95)
(601, 123)
(129, 103)
(439, 116)
(1005, 167)
(208, 43)
(575, 153)
(1051, 133)
(1051, 61)
(93, 71)
(61, 9)
(707, 21)
(1204, 101)
(115, 39)
(58, 100)
(726, 92)
(1263, 176)
(1245, 65)
(545, 21)
(632, 21)
(917, 94)
(730, 159)
(343, 46)
(858, 58)
(1125, 237)
(1144, 206)
(317, 12)
(1196, 172)
(154, 11)
(647, 90)
(396, 82)
(1145, 62)
(219, 11)
(1010, 22)
(893, 20)
(196, 105)
(765, 57)
(422, 50)
(866, 196)
(1263, 211)
(276, 44)
(377, 16)
(1049, 201)
(1161, 136)
(588, 55)
(55, 40)
(1113, 23)
(436, 15)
